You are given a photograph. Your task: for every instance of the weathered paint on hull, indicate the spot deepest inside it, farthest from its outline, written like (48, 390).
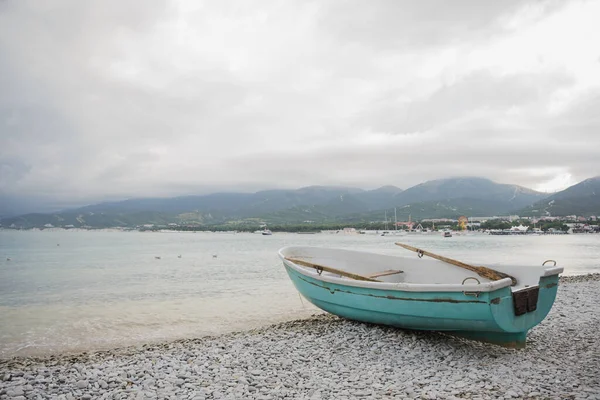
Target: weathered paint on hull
(489, 317)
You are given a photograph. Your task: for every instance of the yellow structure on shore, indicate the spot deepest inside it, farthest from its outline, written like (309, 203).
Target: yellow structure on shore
(462, 223)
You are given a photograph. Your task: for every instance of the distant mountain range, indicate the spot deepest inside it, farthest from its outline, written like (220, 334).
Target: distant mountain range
(580, 199)
(433, 199)
(502, 198)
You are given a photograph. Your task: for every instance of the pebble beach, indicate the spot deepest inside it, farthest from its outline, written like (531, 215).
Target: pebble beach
(326, 357)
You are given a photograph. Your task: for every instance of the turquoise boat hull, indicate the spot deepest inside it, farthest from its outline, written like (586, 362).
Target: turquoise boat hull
(484, 316)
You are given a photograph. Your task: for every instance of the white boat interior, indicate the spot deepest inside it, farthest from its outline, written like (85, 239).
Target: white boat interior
(408, 273)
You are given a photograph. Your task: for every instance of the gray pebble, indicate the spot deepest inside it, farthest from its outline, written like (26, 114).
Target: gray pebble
(82, 384)
(326, 357)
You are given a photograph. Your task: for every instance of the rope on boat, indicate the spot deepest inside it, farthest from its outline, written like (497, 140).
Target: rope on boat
(485, 272)
(301, 301)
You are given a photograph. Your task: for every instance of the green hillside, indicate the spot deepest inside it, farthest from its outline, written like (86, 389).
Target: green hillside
(446, 198)
(582, 199)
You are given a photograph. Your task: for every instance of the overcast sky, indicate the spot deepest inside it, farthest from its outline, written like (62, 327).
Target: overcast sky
(113, 99)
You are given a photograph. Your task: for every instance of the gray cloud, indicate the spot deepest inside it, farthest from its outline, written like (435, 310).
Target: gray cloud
(480, 91)
(104, 100)
(406, 25)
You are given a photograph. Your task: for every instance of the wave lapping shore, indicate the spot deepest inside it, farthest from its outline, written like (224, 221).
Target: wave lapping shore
(326, 357)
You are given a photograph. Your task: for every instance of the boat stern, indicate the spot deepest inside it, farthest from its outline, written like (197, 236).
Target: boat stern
(517, 311)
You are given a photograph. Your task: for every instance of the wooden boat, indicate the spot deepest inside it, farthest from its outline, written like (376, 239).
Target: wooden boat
(425, 294)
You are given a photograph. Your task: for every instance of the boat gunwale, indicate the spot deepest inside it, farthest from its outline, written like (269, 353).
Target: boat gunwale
(404, 286)
(553, 271)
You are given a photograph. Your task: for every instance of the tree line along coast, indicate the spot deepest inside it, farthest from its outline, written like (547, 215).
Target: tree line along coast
(570, 224)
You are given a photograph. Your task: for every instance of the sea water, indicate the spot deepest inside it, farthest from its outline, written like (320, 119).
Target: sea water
(69, 291)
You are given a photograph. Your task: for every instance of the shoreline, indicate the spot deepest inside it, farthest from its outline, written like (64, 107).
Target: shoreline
(567, 279)
(253, 231)
(329, 357)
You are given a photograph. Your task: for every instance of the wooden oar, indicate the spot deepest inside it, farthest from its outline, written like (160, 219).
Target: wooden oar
(485, 272)
(319, 267)
(384, 273)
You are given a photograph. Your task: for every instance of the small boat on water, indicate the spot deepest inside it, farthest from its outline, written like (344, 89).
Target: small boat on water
(447, 234)
(263, 231)
(425, 293)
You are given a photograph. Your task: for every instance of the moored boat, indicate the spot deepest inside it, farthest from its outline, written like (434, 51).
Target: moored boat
(425, 294)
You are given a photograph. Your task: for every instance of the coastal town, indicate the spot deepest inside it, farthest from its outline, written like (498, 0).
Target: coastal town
(515, 225)
(494, 225)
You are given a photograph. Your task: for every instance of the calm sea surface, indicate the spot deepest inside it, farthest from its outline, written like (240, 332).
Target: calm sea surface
(65, 291)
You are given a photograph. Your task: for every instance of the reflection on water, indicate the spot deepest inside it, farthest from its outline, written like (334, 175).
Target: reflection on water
(70, 291)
